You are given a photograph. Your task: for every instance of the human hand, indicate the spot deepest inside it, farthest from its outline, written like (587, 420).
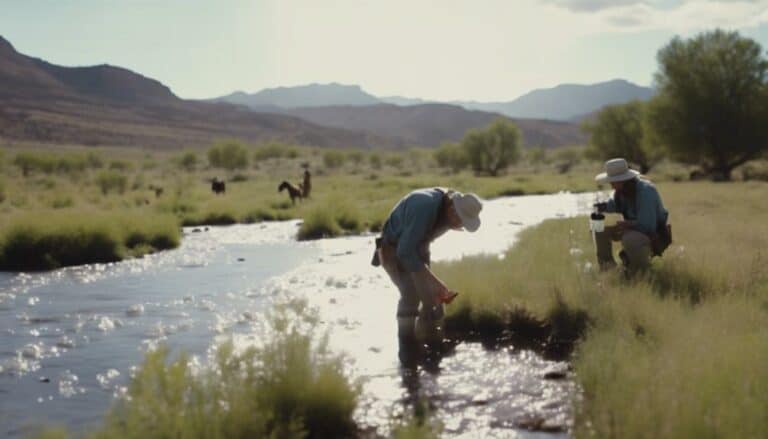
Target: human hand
(447, 296)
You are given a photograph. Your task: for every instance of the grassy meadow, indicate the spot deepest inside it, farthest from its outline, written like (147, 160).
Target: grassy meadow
(677, 352)
(114, 203)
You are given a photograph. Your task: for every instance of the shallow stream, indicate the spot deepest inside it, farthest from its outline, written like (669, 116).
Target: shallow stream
(71, 337)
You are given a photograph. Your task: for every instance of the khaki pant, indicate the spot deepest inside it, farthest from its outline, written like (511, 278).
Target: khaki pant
(636, 248)
(414, 302)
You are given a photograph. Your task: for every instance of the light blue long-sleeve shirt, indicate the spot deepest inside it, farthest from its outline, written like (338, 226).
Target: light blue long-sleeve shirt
(410, 224)
(647, 210)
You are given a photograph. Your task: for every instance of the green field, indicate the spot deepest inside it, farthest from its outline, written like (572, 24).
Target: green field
(677, 352)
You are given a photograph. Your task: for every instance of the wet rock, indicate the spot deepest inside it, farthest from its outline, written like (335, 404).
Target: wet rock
(44, 380)
(196, 230)
(32, 351)
(65, 342)
(374, 349)
(539, 423)
(555, 375)
(135, 310)
(240, 259)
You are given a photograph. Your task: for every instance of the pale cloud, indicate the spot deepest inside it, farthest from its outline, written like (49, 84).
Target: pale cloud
(591, 5)
(679, 16)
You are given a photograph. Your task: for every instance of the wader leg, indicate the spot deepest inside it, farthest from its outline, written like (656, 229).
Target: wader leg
(604, 248)
(637, 248)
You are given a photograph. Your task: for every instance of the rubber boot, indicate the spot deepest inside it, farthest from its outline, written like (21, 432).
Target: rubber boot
(406, 328)
(604, 250)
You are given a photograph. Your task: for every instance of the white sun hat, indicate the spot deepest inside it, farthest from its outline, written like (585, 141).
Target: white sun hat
(468, 207)
(616, 170)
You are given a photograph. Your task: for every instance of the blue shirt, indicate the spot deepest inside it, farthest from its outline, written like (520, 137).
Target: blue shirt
(410, 225)
(647, 209)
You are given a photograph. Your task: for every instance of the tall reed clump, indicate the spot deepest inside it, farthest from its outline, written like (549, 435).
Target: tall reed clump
(291, 387)
(676, 352)
(330, 219)
(35, 241)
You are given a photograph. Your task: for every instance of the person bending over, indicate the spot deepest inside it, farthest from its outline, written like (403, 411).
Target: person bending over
(403, 250)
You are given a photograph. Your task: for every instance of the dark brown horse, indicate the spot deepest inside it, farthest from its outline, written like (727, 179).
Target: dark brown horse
(218, 186)
(293, 191)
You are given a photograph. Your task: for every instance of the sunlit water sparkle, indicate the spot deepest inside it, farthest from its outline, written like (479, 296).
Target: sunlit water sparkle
(73, 337)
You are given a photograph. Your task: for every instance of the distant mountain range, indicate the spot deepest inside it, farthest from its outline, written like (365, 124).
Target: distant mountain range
(107, 105)
(312, 95)
(433, 124)
(564, 102)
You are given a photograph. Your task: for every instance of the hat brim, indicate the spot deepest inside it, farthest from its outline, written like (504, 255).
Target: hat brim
(604, 178)
(469, 224)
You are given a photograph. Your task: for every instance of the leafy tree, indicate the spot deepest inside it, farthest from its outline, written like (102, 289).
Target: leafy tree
(188, 161)
(618, 131)
(451, 155)
(494, 148)
(229, 155)
(333, 159)
(712, 102)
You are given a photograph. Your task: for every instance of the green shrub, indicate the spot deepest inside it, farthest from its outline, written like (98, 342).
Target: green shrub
(188, 161)
(229, 155)
(270, 151)
(93, 160)
(111, 181)
(333, 159)
(120, 165)
(319, 223)
(291, 387)
(375, 160)
(61, 201)
(29, 162)
(394, 160)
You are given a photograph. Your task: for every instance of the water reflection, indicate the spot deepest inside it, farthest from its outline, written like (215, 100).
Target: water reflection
(101, 318)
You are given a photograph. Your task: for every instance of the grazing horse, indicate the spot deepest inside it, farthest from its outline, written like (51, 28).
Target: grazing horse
(293, 191)
(218, 186)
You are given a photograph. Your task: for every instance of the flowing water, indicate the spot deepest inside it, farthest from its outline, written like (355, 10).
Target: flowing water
(72, 337)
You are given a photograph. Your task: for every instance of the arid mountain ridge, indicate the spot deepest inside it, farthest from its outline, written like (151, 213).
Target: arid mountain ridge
(108, 105)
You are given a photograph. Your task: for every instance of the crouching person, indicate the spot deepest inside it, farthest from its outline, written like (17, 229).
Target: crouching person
(403, 250)
(644, 231)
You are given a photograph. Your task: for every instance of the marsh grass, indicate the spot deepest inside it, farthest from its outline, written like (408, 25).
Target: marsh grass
(34, 241)
(289, 387)
(676, 352)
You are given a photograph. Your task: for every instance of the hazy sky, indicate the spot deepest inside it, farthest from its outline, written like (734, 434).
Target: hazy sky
(443, 49)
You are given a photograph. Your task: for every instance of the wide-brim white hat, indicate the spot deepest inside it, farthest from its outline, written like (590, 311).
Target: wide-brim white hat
(616, 170)
(468, 207)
